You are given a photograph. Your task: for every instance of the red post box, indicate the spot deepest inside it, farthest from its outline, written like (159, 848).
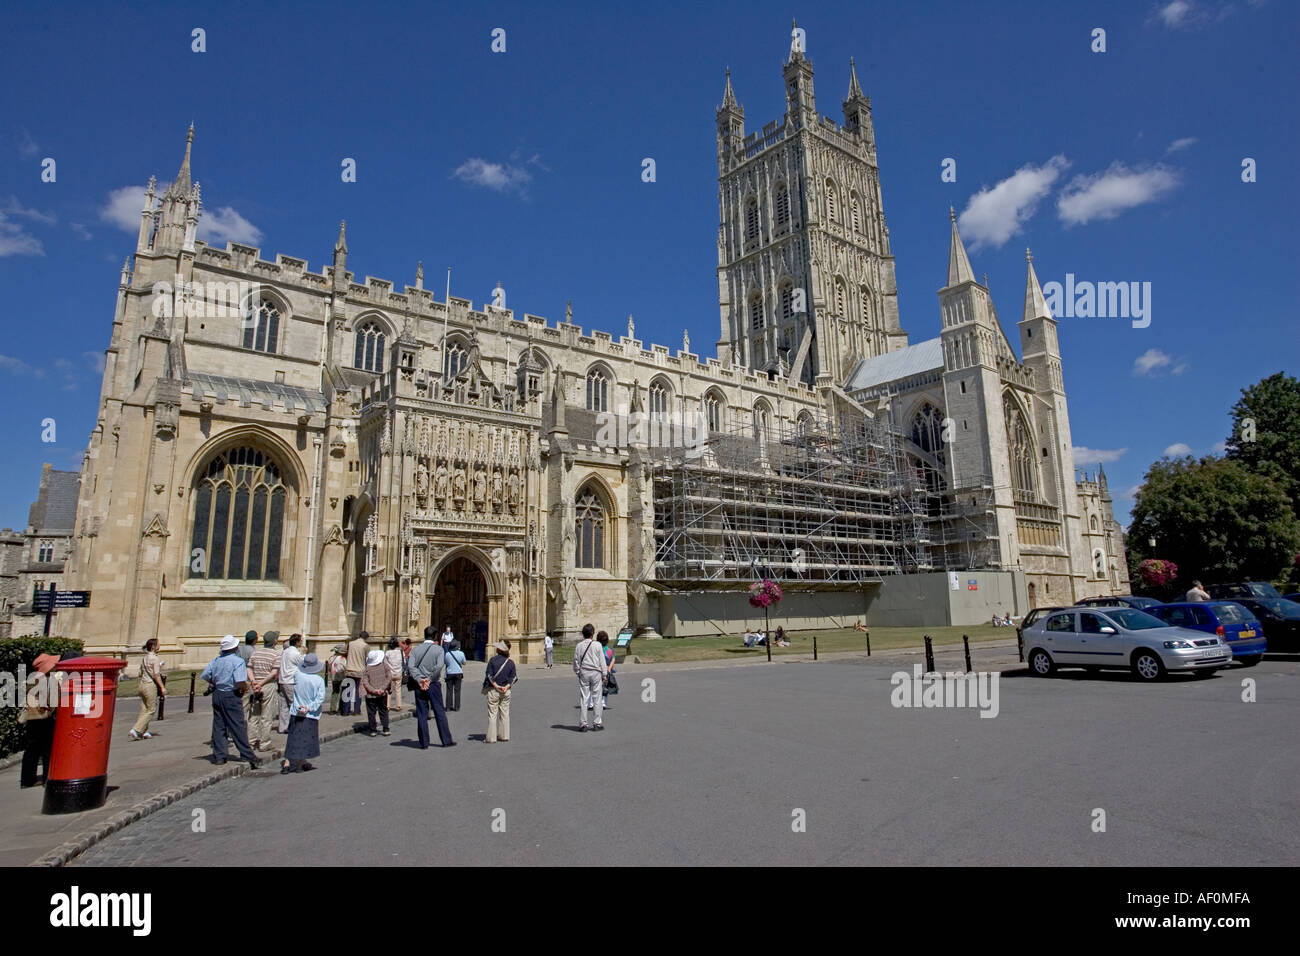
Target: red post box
(83, 729)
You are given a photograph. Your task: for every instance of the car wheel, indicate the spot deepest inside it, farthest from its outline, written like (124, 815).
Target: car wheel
(1148, 666)
(1041, 663)
(1250, 660)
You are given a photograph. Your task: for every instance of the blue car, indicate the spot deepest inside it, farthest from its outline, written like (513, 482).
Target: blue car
(1227, 619)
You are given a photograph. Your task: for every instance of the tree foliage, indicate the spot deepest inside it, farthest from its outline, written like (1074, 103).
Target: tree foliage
(1266, 432)
(1216, 519)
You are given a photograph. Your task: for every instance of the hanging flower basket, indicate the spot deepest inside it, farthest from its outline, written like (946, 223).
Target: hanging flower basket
(764, 594)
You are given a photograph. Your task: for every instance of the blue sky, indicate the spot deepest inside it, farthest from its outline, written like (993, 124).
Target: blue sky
(525, 167)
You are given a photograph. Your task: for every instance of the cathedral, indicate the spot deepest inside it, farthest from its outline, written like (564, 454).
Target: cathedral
(278, 448)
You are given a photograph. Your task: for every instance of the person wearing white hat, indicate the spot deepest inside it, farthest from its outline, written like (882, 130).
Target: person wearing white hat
(229, 679)
(375, 682)
(304, 725)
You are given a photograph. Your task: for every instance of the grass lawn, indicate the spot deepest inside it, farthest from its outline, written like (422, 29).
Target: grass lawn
(178, 687)
(801, 642)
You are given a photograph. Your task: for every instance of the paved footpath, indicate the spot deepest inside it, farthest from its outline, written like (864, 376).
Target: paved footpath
(148, 774)
(806, 763)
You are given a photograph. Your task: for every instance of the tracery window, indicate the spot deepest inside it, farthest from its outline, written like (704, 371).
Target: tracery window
(1024, 473)
(756, 313)
(751, 219)
(854, 212)
(782, 205)
(839, 297)
(927, 435)
(590, 529)
(659, 399)
(239, 513)
(715, 411)
(262, 327)
(369, 348)
(597, 391)
(454, 359)
(787, 301)
(831, 212)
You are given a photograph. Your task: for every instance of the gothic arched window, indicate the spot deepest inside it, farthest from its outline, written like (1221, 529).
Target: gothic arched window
(239, 512)
(1020, 447)
(839, 297)
(370, 348)
(1092, 522)
(262, 327)
(590, 529)
(854, 212)
(756, 313)
(830, 202)
(597, 391)
(762, 421)
(864, 302)
(787, 301)
(927, 435)
(751, 219)
(715, 411)
(660, 396)
(804, 423)
(782, 205)
(454, 358)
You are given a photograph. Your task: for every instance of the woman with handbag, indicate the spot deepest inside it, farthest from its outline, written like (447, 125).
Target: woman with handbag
(153, 688)
(304, 726)
(500, 677)
(610, 685)
(40, 700)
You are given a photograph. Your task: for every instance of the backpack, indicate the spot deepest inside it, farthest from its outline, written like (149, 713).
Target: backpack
(338, 665)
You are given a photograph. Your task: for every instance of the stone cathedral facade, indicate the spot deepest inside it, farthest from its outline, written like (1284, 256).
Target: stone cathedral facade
(309, 452)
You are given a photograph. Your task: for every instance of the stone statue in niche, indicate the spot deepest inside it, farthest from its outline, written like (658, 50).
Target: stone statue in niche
(496, 489)
(480, 489)
(512, 492)
(416, 594)
(422, 481)
(440, 486)
(458, 488)
(516, 599)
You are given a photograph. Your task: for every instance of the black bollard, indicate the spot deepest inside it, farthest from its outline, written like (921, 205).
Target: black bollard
(193, 676)
(929, 656)
(966, 644)
(814, 647)
(1020, 644)
(868, 642)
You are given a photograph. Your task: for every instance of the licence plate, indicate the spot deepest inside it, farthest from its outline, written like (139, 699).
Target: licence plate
(1241, 634)
(1212, 652)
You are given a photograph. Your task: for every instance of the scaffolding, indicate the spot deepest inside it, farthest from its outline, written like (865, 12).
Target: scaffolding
(813, 506)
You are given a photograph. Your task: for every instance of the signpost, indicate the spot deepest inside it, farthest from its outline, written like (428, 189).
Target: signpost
(47, 602)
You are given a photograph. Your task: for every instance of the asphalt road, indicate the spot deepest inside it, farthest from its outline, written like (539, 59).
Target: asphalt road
(714, 770)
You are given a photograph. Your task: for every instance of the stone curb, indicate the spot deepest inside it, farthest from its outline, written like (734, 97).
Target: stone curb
(66, 852)
(7, 762)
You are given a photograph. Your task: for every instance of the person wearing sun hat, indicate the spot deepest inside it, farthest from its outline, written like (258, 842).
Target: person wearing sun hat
(304, 724)
(375, 682)
(229, 679)
(40, 699)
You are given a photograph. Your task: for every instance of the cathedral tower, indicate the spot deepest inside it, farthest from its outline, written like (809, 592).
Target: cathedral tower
(805, 275)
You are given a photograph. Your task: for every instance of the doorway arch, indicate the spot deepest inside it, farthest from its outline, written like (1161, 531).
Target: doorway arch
(466, 596)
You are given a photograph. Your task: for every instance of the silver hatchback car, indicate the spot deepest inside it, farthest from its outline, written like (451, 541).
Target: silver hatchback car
(1120, 637)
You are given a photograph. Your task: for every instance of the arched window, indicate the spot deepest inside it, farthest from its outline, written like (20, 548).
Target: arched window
(590, 532)
(1092, 522)
(597, 390)
(864, 303)
(927, 435)
(787, 301)
(45, 553)
(262, 327)
(454, 358)
(1024, 473)
(715, 411)
(854, 213)
(751, 219)
(239, 512)
(804, 424)
(831, 212)
(782, 205)
(370, 348)
(660, 397)
(839, 297)
(756, 313)
(530, 374)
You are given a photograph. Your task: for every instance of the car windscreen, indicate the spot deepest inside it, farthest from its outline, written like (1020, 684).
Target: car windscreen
(1231, 613)
(1141, 603)
(1282, 608)
(1263, 589)
(1133, 619)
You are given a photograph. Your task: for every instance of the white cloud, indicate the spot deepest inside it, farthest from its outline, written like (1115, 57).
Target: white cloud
(499, 177)
(217, 226)
(1106, 195)
(995, 214)
(26, 145)
(1219, 447)
(122, 208)
(15, 240)
(1177, 450)
(13, 207)
(96, 359)
(80, 231)
(1097, 456)
(1176, 14)
(1130, 492)
(1180, 144)
(16, 366)
(1149, 361)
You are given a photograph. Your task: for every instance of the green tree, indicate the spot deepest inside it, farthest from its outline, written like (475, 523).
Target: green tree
(1216, 519)
(1266, 432)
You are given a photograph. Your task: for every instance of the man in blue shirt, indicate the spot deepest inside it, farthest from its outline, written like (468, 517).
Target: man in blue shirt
(424, 667)
(229, 679)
